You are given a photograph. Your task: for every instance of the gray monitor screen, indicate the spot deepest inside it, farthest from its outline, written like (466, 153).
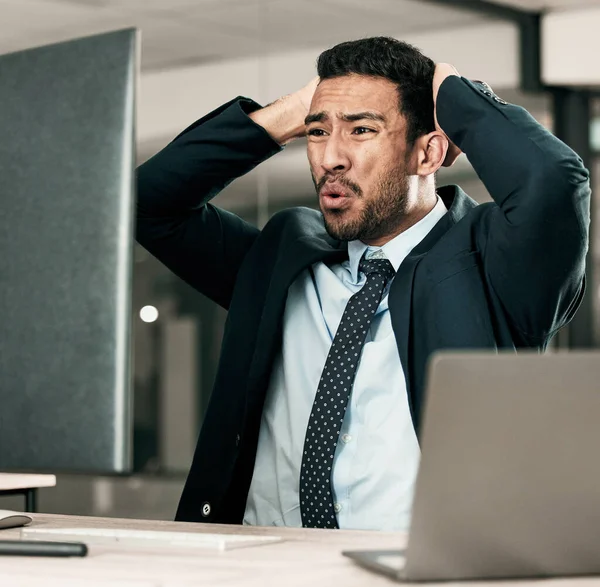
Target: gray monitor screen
(66, 238)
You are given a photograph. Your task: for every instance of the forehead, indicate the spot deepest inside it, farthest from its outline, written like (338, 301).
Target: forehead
(356, 93)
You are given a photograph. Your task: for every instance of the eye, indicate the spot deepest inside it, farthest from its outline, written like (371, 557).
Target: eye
(315, 132)
(361, 130)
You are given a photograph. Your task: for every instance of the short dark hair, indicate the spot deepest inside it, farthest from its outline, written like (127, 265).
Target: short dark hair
(399, 62)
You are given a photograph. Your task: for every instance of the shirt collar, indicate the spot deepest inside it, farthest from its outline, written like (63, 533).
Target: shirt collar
(400, 246)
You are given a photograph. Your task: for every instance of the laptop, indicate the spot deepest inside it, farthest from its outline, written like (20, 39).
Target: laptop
(509, 480)
(66, 236)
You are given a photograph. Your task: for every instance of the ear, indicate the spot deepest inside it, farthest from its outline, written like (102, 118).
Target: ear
(430, 152)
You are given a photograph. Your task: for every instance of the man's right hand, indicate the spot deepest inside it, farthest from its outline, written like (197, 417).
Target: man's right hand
(284, 119)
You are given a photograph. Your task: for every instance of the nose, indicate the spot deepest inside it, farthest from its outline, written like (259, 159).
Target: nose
(335, 157)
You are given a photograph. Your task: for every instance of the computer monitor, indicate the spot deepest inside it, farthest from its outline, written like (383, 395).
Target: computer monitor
(66, 242)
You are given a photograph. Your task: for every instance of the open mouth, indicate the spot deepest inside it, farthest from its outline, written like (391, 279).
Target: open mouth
(334, 200)
(335, 196)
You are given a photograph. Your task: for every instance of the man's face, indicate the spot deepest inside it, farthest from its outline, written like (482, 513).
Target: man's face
(357, 153)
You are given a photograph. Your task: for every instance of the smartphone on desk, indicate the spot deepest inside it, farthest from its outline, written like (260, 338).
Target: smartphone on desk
(42, 548)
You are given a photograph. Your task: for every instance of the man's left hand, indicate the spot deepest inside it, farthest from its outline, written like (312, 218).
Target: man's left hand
(443, 71)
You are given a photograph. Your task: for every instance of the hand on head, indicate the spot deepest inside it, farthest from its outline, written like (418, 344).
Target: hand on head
(305, 95)
(443, 71)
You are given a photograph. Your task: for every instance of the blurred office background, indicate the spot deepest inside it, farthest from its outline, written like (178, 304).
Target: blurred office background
(197, 54)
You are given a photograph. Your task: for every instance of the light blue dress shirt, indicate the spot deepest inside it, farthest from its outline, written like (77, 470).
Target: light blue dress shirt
(377, 456)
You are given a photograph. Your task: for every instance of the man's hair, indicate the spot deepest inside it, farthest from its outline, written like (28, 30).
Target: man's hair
(396, 61)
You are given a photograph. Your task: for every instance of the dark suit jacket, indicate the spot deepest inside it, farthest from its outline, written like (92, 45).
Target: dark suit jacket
(506, 275)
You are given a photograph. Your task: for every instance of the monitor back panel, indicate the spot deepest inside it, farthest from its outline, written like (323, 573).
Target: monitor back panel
(66, 169)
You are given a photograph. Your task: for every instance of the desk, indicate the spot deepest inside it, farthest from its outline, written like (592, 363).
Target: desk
(27, 485)
(307, 558)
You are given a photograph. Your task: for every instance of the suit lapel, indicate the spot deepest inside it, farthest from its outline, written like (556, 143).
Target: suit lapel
(401, 291)
(296, 257)
(400, 305)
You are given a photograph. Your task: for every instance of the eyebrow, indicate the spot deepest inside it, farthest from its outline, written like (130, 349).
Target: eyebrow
(323, 117)
(362, 116)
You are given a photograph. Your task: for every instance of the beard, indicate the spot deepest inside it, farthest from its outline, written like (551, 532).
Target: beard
(381, 214)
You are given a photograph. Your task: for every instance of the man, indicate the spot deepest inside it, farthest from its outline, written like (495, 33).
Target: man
(315, 414)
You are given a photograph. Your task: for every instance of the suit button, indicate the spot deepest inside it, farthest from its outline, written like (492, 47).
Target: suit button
(237, 440)
(499, 100)
(206, 509)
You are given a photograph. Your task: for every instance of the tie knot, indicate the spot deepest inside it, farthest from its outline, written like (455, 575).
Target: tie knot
(377, 266)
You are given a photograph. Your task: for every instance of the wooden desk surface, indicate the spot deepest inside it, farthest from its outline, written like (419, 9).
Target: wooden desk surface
(307, 558)
(12, 481)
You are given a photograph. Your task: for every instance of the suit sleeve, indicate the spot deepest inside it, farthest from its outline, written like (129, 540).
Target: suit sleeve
(199, 242)
(534, 242)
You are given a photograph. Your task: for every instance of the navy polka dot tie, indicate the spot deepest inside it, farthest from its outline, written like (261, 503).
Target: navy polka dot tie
(331, 401)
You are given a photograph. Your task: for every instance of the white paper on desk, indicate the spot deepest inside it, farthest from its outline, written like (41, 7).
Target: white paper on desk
(149, 539)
